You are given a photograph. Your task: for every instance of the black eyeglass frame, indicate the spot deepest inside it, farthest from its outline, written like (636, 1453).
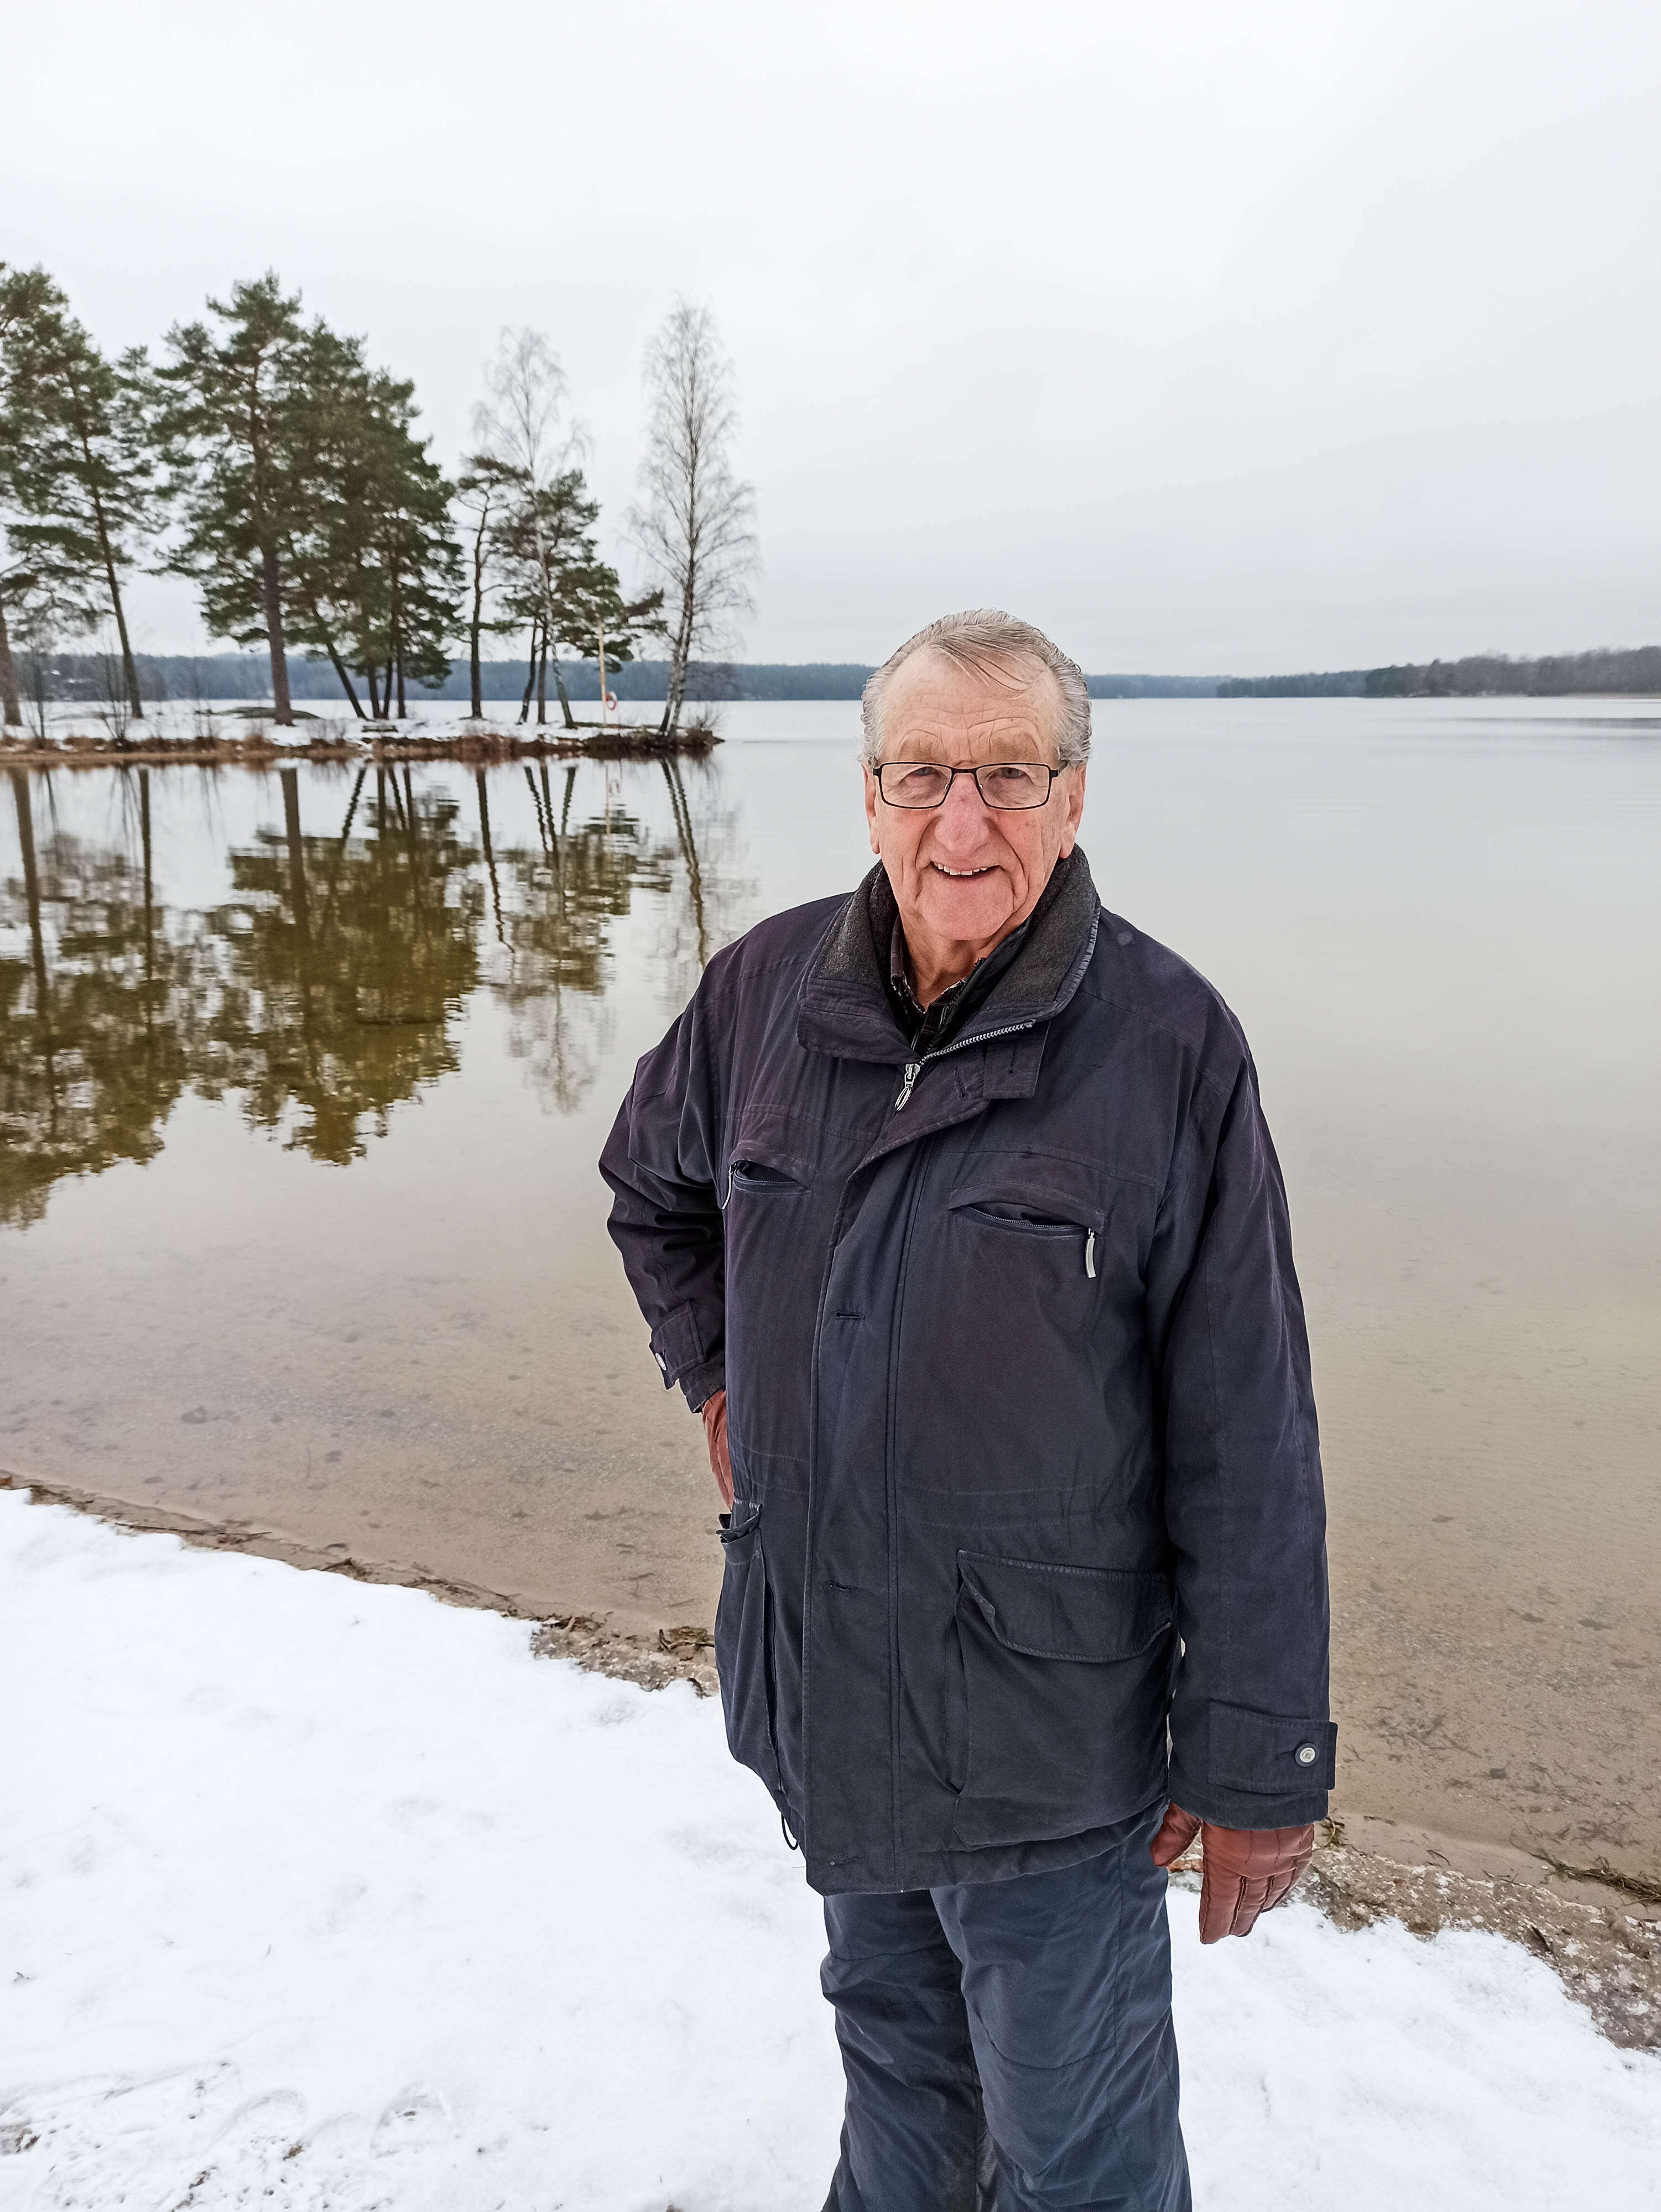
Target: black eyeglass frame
(1027, 807)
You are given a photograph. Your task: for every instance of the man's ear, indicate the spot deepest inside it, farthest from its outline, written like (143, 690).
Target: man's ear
(871, 805)
(1074, 810)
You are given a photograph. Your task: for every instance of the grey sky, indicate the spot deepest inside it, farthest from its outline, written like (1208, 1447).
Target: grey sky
(1210, 336)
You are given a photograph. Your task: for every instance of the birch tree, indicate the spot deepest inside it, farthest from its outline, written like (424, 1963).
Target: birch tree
(526, 425)
(693, 522)
(555, 579)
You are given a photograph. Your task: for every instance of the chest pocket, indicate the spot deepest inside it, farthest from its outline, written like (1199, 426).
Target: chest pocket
(1036, 1220)
(763, 1163)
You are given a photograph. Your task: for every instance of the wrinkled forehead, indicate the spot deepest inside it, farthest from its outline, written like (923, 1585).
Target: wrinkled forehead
(990, 706)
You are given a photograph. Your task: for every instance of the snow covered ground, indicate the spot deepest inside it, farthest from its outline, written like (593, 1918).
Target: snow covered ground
(321, 1895)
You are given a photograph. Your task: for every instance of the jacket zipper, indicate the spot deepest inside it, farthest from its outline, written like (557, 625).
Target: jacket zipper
(914, 1068)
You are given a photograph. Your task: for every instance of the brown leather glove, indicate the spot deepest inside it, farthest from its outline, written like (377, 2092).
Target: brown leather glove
(714, 1435)
(1246, 1871)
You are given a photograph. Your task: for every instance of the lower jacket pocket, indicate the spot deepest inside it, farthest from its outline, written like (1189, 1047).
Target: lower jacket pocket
(744, 1636)
(1067, 1675)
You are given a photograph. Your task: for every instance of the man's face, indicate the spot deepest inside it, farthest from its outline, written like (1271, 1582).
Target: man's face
(965, 873)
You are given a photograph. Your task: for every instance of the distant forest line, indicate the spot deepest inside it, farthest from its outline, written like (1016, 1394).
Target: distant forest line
(239, 676)
(247, 676)
(1481, 675)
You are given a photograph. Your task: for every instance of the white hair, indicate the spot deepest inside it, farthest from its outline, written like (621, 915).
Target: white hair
(971, 641)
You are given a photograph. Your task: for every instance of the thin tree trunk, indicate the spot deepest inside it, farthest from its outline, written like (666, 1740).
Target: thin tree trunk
(542, 831)
(336, 662)
(409, 825)
(129, 667)
(149, 888)
(19, 791)
(38, 692)
(542, 681)
(303, 920)
(375, 713)
(340, 854)
(679, 653)
(531, 673)
(340, 670)
(479, 612)
(489, 854)
(564, 702)
(9, 702)
(150, 901)
(683, 815)
(395, 646)
(290, 781)
(283, 715)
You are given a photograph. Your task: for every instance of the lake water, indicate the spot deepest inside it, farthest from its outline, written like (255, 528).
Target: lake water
(302, 1232)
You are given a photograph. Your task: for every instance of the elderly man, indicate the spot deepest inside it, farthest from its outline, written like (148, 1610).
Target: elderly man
(951, 1205)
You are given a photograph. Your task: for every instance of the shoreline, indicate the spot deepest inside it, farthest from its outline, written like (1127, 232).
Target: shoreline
(380, 744)
(1599, 1930)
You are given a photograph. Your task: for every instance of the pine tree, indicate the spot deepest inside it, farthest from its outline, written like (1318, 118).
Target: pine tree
(483, 492)
(250, 408)
(79, 462)
(378, 567)
(22, 293)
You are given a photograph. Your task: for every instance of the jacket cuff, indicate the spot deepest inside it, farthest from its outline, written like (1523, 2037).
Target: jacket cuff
(700, 1384)
(1245, 1769)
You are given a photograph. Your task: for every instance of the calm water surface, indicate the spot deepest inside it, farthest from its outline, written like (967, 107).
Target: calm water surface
(305, 1076)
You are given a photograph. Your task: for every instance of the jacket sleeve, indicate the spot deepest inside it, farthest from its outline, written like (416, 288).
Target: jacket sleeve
(660, 1161)
(1252, 1744)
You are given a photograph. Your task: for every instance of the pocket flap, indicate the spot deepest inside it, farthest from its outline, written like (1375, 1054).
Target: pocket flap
(1031, 1194)
(1067, 1613)
(765, 1138)
(739, 1526)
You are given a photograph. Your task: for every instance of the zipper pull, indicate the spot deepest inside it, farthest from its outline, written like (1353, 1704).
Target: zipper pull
(1090, 1254)
(913, 1067)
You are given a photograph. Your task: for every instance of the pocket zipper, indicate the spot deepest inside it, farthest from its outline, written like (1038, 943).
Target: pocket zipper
(1090, 1254)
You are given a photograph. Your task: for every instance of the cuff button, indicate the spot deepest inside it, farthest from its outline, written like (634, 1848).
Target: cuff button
(1306, 1754)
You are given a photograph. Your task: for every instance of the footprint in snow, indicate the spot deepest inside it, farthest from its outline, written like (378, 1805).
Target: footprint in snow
(415, 2118)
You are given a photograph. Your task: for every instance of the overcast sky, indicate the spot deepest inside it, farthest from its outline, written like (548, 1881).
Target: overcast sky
(1212, 337)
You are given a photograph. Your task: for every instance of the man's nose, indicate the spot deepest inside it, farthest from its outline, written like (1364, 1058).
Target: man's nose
(962, 815)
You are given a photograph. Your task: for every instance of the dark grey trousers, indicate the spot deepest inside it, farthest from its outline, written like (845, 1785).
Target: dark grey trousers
(1008, 2044)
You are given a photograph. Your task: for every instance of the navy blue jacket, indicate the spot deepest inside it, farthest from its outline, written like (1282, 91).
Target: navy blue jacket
(1027, 1490)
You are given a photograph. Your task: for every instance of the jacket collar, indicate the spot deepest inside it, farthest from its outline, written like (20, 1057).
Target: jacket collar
(844, 1007)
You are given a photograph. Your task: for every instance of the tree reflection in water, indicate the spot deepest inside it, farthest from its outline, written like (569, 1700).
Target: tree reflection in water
(548, 962)
(337, 968)
(96, 1018)
(327, 988)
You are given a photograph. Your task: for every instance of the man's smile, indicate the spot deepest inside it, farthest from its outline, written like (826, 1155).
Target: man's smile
(945, 871)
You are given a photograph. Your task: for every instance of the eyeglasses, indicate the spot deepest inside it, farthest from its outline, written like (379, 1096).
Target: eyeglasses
(1004, 784)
